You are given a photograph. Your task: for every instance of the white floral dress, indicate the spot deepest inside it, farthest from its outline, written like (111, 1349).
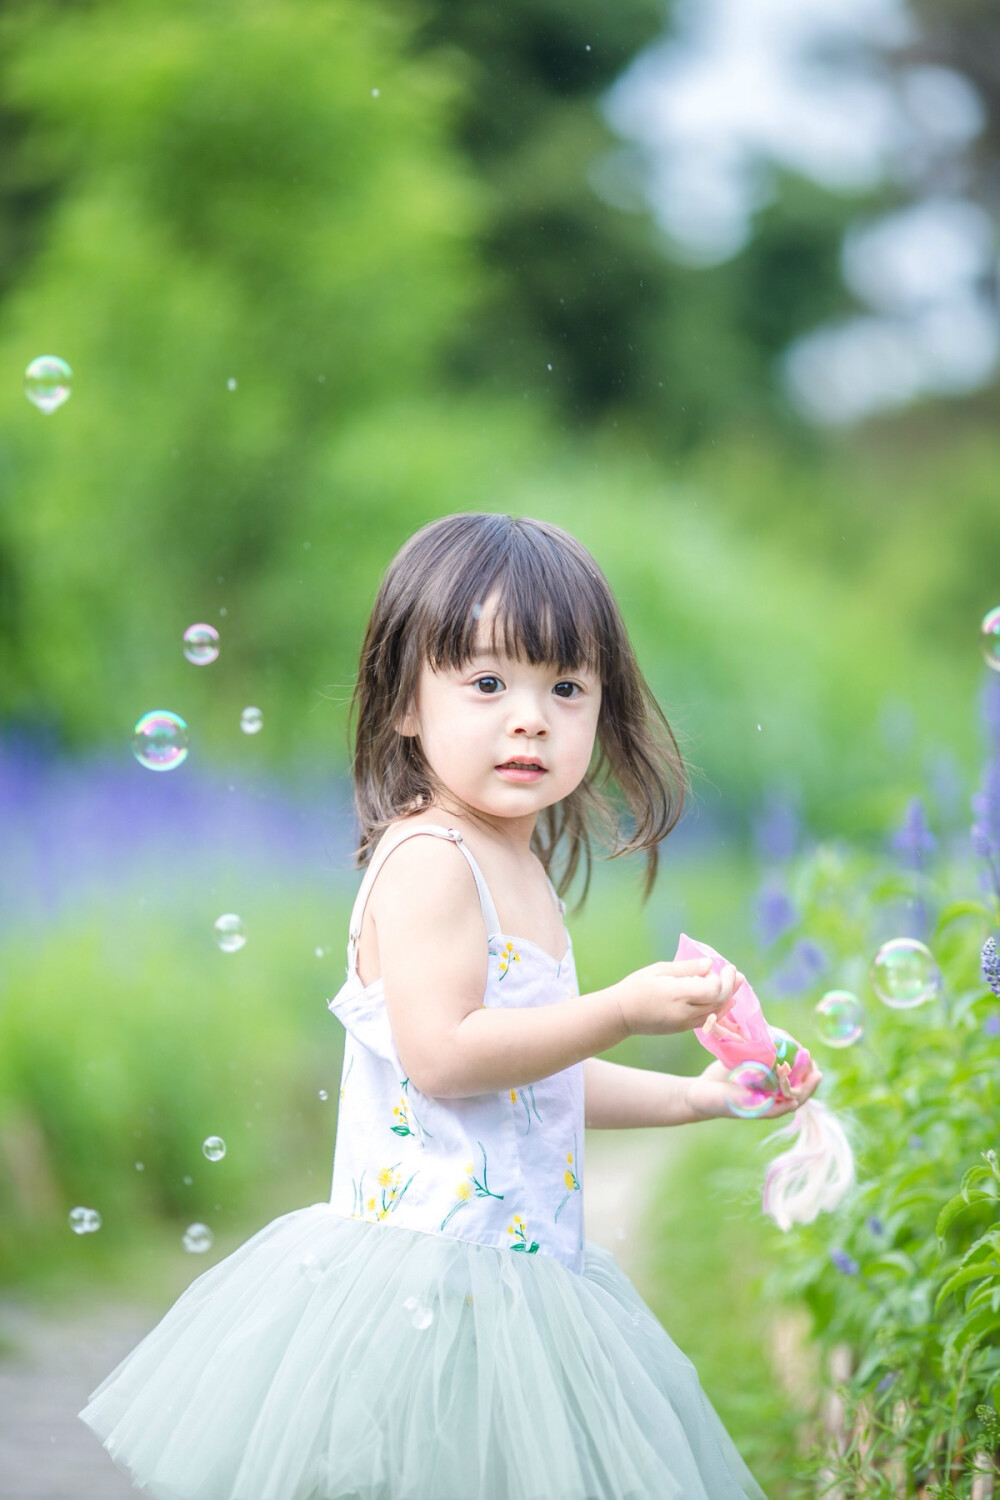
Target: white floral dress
(503, 1168)
(439, 1329)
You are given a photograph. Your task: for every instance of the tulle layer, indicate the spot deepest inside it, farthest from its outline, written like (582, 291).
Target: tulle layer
(335, 1359)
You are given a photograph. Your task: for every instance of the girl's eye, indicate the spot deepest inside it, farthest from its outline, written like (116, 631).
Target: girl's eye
(567, 689)
(488, 684)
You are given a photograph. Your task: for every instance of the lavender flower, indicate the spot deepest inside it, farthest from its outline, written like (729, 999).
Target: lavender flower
(989, 961)
(886, 1381)
(875, 1224)
(991, 1026)
(981, 844)
(844, 1262)
(776, 828)
(802, 968)
(914, 840)
(775, 913)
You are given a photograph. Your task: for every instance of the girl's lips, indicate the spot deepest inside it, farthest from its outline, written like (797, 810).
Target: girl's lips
(520, 773)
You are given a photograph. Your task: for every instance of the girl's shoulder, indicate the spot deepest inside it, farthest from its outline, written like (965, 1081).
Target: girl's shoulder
(427, 869)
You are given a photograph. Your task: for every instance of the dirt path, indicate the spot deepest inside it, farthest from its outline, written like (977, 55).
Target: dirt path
(51, 1360)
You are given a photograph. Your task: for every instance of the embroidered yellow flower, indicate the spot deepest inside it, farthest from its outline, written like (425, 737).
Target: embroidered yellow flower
(508, 957)
(570, 1180)
(519, 1229)
(527, 1098)
(469, 1186)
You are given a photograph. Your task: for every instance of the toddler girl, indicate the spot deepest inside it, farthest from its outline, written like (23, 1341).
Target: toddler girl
(441, 1329)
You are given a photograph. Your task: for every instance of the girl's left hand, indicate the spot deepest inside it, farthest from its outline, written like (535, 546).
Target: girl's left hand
(709, 1093)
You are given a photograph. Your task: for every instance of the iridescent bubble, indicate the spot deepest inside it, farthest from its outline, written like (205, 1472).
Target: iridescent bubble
(84, 1220)
(421, 1316)
(786, 1048)
(48, 381)
(903, 974)
(230, 934)
(989, 637)
(251, 720)
(198, 1238)
(160, 740)
(840, 1018)
(757, 1089)
(201, 644)
(214, 1147)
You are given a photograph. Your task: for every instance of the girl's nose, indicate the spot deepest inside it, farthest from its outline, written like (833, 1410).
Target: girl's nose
(529, 720)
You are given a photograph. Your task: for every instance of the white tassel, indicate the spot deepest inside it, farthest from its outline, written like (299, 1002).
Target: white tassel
(813, 1174)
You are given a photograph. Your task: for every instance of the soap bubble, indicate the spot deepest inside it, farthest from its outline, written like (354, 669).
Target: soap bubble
(840, 1018)
(757, 1089)
(84, 1220)
(786, 1048)
(140, 1166)
(989, 637)
(47, 382)
(903, 974)
(310, 1268)
(198, 1238)
(324, 1095)
(201, 644)
(231, 383)
(214, 1147)
(421, 1316)
(251, 720)
(160, 740)
(230, 934)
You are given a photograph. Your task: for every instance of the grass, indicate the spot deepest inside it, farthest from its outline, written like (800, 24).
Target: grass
(709, 1249)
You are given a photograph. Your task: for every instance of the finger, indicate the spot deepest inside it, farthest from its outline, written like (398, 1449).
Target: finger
(684, 966)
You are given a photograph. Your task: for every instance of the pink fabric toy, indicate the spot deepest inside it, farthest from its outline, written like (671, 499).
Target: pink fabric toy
(815, 1172)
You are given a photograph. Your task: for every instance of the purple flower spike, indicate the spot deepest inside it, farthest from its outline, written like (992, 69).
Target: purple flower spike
(989, 961)
(991, 1026)
(875, 1225)
(914, 840)
(886, 1381)
(981, 845)
(844, 1262)
(775, 913)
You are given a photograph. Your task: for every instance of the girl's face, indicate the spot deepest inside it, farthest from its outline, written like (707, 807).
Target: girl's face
(505, 737)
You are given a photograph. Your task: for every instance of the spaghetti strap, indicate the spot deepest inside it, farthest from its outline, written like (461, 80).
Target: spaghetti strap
(379, 858)
(560, 903)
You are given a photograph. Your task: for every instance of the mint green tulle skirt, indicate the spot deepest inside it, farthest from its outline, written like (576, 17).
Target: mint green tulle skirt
(333, 1359)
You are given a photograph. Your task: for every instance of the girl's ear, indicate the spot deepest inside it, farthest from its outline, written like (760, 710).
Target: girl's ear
(407, 724)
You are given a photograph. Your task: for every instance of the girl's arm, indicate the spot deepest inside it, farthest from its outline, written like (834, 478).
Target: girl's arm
(617, 1097)
(432, 960)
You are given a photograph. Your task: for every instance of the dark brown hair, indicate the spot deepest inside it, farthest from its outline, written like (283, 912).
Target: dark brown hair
(553, 605)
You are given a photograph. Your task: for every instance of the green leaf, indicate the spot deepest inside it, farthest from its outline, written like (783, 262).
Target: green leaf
(975, 1272)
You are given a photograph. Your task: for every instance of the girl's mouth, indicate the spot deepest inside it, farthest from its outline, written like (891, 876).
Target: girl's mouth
(521, 770)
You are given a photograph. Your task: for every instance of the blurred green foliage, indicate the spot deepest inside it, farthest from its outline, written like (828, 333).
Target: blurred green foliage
(128, 1044)
(918, 1096)
(265, 276)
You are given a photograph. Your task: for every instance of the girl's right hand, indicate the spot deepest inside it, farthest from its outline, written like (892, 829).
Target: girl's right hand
(668, 997)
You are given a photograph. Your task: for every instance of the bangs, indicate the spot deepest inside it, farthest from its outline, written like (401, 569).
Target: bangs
(536, 601)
